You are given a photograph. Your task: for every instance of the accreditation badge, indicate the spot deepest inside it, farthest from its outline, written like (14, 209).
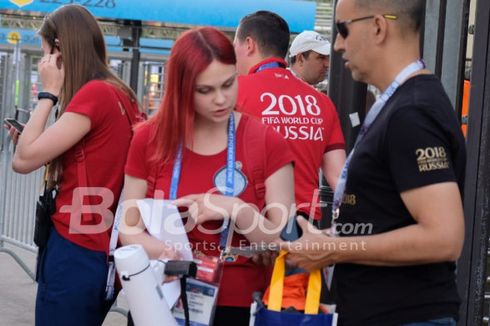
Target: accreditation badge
(202, 292)
(240, 180)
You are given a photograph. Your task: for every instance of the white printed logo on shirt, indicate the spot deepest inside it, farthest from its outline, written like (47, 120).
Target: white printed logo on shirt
(297, 118)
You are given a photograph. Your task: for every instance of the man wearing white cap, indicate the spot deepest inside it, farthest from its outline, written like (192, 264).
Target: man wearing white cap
(310, 57)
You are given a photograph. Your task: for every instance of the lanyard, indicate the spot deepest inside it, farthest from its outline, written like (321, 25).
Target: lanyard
(230, 175)
(368, 121)
(268, 66)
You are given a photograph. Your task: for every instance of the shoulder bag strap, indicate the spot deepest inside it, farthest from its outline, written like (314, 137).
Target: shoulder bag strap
(111, 274)
(82, 176)
(254, 147)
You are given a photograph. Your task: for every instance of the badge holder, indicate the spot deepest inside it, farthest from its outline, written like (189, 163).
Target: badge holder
(202, 292)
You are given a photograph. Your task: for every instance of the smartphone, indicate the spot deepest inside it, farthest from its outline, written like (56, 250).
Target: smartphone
(56, 46)
(292, 231)
(14, 123)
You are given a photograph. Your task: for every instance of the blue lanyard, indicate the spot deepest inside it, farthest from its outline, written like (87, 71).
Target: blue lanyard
(368, 121)
(268, 66)
(230, 174)
(176, 174)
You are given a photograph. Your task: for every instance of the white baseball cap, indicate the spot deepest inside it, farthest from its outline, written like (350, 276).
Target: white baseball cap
(309, 40)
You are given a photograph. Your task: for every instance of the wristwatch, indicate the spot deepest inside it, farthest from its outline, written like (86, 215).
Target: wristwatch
(43, 95)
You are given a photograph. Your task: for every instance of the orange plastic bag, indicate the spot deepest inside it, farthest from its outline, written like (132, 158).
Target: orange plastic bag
(294, 291)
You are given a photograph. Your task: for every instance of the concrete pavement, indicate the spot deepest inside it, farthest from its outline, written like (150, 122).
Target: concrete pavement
(18, 292)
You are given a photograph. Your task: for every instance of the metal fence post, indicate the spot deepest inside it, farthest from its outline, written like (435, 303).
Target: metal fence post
(17, 236)
(454, 50)
(472, 266)
(348, 95)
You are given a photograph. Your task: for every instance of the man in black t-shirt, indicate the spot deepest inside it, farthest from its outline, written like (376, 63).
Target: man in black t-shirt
(401, 220)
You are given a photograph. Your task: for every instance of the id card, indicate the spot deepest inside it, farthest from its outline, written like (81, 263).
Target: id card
(201, 298)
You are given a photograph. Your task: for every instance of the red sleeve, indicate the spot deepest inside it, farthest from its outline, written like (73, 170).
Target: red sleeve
(278, 153)
(240, 101)
(137, 164)
(335, 139)
(90, 101)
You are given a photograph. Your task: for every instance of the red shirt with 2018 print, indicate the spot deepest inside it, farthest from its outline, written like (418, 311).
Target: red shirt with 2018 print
(304, 116)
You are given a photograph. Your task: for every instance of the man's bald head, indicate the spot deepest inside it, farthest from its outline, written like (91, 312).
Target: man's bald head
(410, 13)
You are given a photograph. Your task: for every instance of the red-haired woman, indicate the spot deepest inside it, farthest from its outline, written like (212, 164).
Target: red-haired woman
(195, 144)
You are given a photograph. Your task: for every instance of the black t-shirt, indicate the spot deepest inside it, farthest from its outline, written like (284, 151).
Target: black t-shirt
(415, 141)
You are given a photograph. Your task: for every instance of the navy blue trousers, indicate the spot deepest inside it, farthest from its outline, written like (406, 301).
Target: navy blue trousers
(71, 285)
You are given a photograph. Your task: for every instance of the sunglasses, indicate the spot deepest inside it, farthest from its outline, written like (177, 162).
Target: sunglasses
(342, 25)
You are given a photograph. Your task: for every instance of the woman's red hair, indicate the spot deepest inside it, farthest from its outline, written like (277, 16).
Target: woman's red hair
(192, 53)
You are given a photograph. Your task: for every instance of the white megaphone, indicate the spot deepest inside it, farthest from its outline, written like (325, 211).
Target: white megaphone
(143, 291)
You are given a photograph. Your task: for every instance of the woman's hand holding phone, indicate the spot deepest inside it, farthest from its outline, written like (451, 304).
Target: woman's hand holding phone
(14, 128)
